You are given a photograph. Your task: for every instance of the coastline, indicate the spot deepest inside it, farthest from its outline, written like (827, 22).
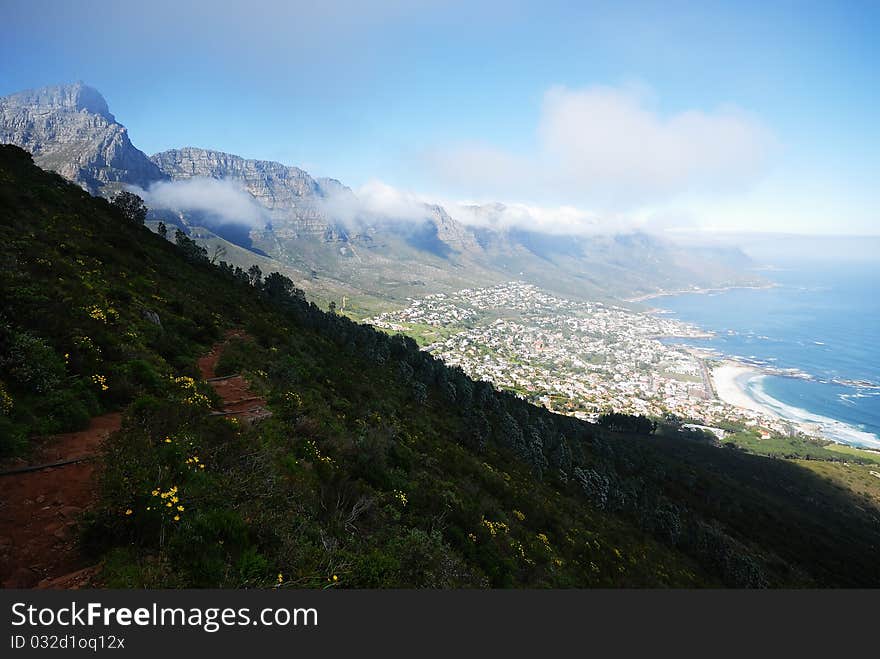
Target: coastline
(698, 291)
(740, 383)
(731, 381)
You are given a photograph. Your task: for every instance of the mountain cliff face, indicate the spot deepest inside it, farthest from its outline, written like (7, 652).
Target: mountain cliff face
(452, 232)
(295, 200)
(69, 129)
(289, 194)
(318, 230)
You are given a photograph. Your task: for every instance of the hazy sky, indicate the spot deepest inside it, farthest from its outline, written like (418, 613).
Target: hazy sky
(736, 115)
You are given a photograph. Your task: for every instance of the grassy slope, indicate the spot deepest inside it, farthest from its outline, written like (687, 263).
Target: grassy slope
(379, 467)
(795, 448)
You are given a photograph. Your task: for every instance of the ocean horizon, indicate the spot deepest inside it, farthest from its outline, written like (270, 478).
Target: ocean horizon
(814, 336)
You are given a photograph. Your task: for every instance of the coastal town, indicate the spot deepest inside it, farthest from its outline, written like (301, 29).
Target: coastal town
(576, 358)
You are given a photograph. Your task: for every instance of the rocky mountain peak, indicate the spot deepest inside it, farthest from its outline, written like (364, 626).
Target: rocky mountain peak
(69, 129)
(77, 97)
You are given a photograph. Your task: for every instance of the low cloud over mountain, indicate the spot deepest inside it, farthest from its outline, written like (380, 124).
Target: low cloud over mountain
(220, 200)
(379, 201)
(373, 201)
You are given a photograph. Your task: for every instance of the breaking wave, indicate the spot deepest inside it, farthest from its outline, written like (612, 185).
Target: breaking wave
(828, 427)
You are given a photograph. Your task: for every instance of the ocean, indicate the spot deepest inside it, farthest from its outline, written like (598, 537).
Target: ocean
(822, 321)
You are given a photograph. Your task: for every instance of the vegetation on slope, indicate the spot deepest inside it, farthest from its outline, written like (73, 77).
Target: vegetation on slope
(380, 466)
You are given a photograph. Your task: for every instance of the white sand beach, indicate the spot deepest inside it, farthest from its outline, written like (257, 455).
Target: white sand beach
(729, 380)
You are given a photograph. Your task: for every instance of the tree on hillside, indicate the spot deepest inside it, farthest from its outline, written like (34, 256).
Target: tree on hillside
(277, 285)
(255, 275)
(218, 252)
(190, 248)
(131, 206)
(280, 287)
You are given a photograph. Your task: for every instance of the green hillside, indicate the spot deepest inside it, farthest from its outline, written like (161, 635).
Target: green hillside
(380, 467)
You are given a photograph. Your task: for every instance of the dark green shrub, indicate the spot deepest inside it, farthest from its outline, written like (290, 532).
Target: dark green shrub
(253, 568)
(29, 362)
(13, 438)
(241, 355)
(65, 410)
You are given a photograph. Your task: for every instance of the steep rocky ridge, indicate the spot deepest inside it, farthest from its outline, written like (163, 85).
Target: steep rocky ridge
(289, 194)
(69, 129)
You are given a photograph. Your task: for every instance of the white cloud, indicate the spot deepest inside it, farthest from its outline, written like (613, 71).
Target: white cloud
(223, 201)
(565, 220)
(382, 200)
(374, 201)
(667, 220)
(378, 201)
(609, 148)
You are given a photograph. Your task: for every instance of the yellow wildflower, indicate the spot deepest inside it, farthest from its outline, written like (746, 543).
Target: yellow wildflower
(95, 312)
(128, 511)
(101, 381)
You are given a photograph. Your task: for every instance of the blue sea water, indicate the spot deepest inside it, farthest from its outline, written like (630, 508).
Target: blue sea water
(822, 319)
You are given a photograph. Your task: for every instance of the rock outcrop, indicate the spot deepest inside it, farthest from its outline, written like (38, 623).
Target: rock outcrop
(69, 129)
(290, 195)
(452, 232)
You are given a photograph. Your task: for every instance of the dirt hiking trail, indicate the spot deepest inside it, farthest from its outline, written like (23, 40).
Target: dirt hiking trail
(41, 500)
(238, 398)
(39, 509)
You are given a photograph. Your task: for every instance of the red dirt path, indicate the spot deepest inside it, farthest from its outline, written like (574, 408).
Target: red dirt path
(39, 509)
(238, 399)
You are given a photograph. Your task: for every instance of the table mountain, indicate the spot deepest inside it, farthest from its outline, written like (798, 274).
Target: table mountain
(69, 129)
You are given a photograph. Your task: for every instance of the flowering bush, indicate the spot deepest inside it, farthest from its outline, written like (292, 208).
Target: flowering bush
(187, 390)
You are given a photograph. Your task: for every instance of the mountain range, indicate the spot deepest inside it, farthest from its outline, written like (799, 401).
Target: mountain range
(316, 231)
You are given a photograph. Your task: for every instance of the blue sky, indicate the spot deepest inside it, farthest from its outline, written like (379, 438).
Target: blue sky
(728, 116)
